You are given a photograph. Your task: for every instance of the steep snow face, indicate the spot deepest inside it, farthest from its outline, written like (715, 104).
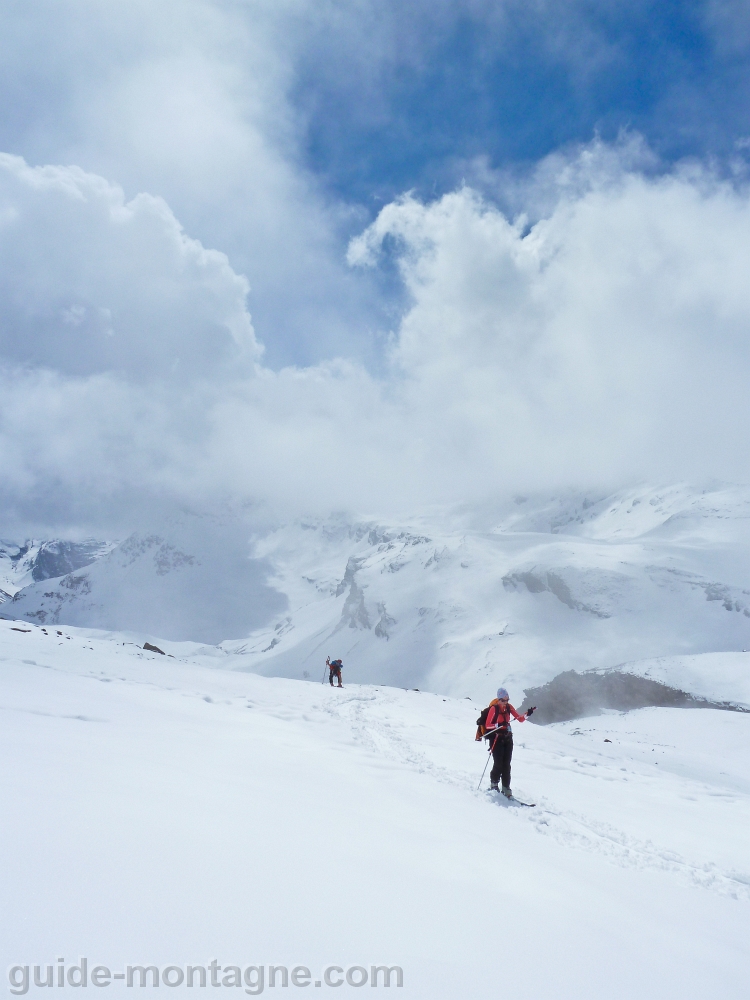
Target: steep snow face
(163, 813)
(456, 600)
(33, 561)
(193, 579)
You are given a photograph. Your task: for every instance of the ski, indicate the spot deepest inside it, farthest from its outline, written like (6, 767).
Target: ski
(515, 801)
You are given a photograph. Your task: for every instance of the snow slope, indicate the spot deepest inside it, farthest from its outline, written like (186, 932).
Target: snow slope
(453, 601)
(460, 601)
(161, 811)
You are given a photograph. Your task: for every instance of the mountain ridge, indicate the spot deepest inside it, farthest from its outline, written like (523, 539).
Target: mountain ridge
(455, 600)
(34, 560)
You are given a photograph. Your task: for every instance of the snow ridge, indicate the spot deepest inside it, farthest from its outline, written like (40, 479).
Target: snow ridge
(457, 600)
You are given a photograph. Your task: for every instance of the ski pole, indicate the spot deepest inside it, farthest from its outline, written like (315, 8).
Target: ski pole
(490, 748)
(489, 754)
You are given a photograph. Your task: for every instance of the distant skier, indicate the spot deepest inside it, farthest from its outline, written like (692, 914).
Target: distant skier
(494, 725)
(334, 670)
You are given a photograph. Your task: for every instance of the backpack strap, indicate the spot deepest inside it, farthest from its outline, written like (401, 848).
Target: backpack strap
(482, 720)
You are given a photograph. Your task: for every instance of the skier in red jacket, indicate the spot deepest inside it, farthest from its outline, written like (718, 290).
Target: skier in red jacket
(497, 730)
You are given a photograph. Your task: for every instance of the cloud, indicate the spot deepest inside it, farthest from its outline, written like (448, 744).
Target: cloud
(603, 343)
(261, 123)
(129, 369)
(90, 283)
(609, 340)
(189, 100)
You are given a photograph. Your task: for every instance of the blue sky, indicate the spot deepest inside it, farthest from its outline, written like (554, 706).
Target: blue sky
(517, 87)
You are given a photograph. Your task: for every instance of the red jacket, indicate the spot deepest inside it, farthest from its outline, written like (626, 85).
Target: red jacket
(499, 717)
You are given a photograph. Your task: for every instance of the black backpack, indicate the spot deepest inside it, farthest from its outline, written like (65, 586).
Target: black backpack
(482, 723)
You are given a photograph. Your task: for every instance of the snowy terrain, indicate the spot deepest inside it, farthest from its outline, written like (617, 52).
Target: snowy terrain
(189, 578)
(453, 601)
(719, 676)
(161, 811)
(32, 561)
(460, 602)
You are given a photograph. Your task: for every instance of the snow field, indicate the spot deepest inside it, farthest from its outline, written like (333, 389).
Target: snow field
(160, 811)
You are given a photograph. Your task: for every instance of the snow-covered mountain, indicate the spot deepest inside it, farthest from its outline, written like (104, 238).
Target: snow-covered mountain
(458, 601)
(190, 578)
(453, 600)
(164, 813)
(33, 561)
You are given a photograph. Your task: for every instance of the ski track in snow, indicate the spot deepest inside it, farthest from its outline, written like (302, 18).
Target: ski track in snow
(382, 782)
(581, 832)
(363, 712)
(372, 716)
(381, 737)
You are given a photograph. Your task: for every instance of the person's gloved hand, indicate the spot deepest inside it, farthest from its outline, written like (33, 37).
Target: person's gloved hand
(530, 711)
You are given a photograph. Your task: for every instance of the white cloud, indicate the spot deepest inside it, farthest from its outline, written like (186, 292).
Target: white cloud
(606, 343)
(91, 283)
(609, 341)
(189, 100)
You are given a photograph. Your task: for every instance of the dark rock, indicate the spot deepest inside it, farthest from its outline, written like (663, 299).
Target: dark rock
(571, 695)
(59, 558)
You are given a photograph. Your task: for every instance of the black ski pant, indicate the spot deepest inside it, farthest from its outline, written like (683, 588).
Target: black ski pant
(334, 672)
(502, 751)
